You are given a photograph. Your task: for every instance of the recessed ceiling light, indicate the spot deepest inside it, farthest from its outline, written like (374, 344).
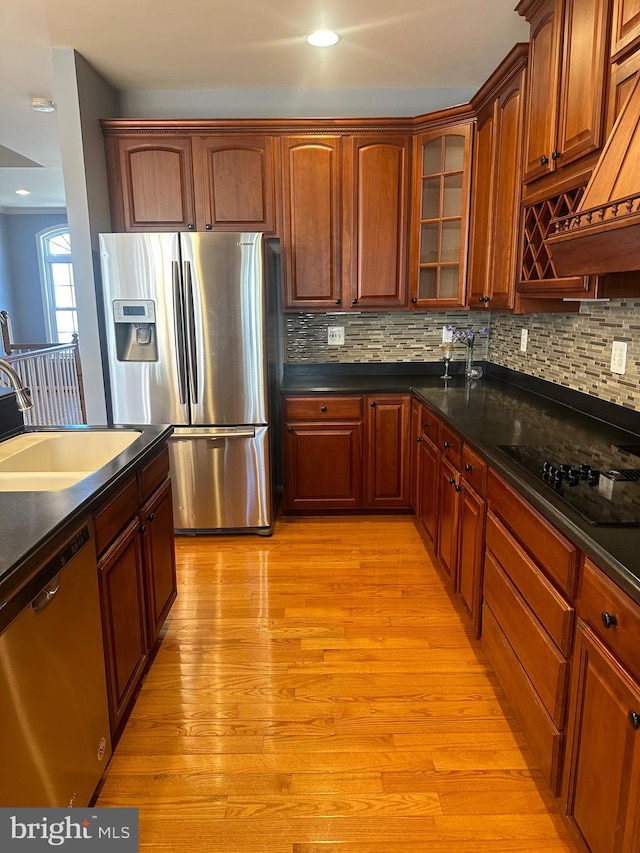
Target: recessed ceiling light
(23, 192)
(323, 38)
(43, 105)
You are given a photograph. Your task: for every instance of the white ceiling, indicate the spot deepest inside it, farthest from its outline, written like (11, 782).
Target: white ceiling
(147, 45)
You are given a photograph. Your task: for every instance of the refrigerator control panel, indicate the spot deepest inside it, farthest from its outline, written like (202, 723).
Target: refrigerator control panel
(134, 311)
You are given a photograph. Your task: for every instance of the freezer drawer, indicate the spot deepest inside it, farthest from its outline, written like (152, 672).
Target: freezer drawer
(221, 479)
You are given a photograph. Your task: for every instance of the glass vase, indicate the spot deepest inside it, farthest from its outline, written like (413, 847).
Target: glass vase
(469, 372)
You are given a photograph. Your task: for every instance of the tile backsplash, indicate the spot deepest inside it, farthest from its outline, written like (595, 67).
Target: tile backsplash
(573, 350)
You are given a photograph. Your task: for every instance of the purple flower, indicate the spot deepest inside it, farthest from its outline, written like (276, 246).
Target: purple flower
(467, 336)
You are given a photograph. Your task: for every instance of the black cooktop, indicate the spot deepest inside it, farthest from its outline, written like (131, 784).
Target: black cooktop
(601, 482)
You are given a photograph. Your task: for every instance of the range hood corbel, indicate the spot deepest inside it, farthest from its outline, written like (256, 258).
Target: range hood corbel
(603, 234)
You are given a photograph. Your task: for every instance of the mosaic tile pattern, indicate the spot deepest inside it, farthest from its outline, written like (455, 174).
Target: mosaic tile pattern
(573, 350)
(394, 336)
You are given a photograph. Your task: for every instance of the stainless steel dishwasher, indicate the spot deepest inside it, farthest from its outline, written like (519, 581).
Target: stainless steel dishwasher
(54, 720)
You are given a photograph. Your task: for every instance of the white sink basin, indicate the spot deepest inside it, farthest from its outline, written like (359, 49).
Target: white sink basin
(50, 461)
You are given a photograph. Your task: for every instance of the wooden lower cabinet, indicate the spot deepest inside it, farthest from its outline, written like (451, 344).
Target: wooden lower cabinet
(125, 633)
(602, 785)
(346, 452)
(428, 490)
(323, 465)
(471, 553)
(137, 577)
(449, 492)
(156, 524)
(387, 446)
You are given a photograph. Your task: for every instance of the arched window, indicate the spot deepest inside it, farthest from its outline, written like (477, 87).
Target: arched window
(58, 290)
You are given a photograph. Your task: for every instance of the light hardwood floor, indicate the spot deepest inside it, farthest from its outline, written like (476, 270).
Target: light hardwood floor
(321, 686)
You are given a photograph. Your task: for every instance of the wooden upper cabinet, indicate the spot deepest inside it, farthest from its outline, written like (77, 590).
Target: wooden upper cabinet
(625, 27)
(375, 219)
(311, 221)
(150, 183)
(567, 82)
(234, 183)
(442, 166)
(496, 185)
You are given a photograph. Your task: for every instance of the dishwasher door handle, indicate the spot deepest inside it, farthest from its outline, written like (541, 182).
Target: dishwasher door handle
(44, 598)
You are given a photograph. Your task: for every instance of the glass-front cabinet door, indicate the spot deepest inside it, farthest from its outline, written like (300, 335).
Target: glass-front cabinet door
(441, 217)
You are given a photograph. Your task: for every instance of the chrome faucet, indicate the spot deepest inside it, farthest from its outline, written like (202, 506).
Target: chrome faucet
(23, 397)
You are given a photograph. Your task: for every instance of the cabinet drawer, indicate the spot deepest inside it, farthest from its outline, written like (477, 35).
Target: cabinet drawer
(430, 426)
(600, 600)
(545, 740)
(114, 514)
(474, 470)
(546, 668)
(553, 611)
(154, 473)
(451, 445)
(320, 408)
(555, 555)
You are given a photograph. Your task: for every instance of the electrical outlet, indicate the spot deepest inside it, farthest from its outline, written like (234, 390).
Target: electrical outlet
(524, 337)
(447, 335)
(618, 357)
(335, 336)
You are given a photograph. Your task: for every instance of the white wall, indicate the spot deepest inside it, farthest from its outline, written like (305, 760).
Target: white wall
(83, 98)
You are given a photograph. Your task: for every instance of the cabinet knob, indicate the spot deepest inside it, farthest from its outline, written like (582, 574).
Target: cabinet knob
(457, 488)
(544, 160)
(289, 429)
(418, 438)
(634, 719)
(190, 226)
(143, 528)
(414, 300)
(151, 517)
(425, 425)
(323, 408)
(555, 154)
(608, 619)
(354, 301)
(468, 467)
(373, 405)
(208, 226)
(338, 301)
(446, 445)
(484, 300)
(452, 481)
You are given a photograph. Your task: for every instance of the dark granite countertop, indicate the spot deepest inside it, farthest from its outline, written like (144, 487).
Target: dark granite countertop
(32, 523)
(506, 408)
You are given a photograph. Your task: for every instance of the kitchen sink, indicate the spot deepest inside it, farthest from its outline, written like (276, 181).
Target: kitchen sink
(50, 461)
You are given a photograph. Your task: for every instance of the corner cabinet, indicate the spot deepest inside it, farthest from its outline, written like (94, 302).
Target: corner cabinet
(442, 165)
(345, 203)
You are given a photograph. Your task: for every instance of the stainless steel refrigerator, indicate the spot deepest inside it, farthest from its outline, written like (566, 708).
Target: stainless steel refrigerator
(192, 339)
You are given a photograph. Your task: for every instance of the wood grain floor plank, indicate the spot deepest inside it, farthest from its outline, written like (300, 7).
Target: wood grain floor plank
(320, 692)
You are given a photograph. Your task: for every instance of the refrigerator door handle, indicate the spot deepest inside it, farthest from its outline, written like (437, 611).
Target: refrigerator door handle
(191, 333)
(178, 309)
(212, 433)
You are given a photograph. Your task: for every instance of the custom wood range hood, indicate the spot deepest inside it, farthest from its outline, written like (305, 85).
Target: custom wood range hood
(603, 234)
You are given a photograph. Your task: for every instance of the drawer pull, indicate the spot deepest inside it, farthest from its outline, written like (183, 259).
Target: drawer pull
(418, 438)
(634, 719)
(323, 408)
(468, 467)
(458, 488)
(289, 429)
(151, 517)
(447, 445)
(373, 405)
(608, 619)
(425, 425)
(452, 481)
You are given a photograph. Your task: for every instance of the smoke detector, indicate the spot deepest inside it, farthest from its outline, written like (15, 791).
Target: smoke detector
(43, 105)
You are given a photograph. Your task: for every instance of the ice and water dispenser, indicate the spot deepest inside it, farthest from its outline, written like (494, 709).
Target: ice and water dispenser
(135, 329)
